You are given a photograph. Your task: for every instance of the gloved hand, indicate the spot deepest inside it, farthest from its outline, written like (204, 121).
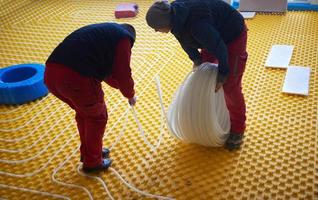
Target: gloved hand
(220, 80)
(194, 67)
(132, 101)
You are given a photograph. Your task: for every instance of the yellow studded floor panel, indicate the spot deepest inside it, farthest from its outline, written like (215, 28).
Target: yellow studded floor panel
(39, 157)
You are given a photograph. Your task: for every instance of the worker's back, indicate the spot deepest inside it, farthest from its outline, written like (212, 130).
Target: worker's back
(223, 17)
(90, 50)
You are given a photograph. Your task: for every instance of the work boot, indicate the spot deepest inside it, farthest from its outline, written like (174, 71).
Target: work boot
(234, 141)
(105, 154)
(102, 167)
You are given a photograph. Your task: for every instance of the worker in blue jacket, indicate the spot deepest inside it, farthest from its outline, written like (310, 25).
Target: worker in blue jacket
(219, 32)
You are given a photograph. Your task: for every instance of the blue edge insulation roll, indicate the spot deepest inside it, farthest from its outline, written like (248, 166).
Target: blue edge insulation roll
(22, 83)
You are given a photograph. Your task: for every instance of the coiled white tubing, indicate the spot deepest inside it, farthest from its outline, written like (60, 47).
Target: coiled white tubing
(198, 114)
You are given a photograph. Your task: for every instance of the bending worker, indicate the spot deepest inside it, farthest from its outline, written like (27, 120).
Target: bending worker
(74, 72)
(220, 32)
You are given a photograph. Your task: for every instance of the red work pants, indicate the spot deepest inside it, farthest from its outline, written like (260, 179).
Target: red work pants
(237, 57)
(86, 97)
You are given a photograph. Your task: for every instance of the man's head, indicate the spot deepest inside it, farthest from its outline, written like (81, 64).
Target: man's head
(159, 16)
(130, 29)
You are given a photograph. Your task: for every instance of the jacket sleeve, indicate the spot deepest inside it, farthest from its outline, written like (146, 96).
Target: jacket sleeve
(112, 82)
(193, 53)
(210, 39)
(121, 76)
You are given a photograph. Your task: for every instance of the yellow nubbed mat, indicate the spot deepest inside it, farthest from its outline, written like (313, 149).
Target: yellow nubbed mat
(39, 156)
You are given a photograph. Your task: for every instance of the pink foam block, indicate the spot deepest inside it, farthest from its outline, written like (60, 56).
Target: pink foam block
(126, 10)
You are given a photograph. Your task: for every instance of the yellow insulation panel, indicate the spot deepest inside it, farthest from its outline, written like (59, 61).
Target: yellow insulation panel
(39, 157)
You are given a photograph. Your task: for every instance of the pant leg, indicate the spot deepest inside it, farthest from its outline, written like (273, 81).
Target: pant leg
(87, 99)
(95, 119)
(234, 98)
(52, 72)
(235, 102)
(237, 57)
(50, 78)
(80, 121)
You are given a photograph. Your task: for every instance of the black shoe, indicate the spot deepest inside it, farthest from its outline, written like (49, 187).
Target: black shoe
(234, 141)
(105, 154)
(106, 163)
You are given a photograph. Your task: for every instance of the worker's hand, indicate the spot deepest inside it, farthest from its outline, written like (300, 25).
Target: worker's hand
(220, 80)
(196, 64)
(132, 101)
(194, 67)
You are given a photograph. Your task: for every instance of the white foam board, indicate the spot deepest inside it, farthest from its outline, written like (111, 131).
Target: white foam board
(279, 56)
(297, 80)
(248, 15)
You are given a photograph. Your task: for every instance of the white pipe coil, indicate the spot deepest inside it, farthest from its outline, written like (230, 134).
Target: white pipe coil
(198, 114)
